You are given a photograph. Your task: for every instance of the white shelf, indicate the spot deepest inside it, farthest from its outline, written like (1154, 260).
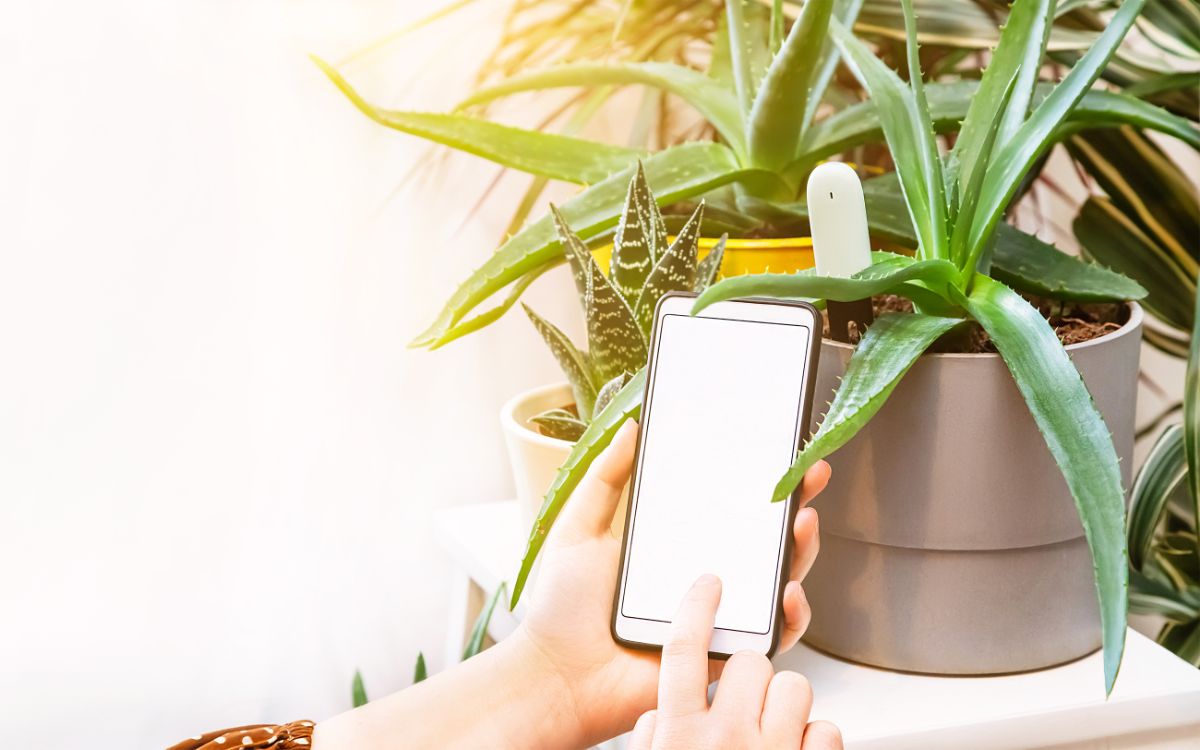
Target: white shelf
(1156, 703)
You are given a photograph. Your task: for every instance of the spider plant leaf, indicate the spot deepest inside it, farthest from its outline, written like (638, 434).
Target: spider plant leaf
(1110, 236)
(710, 268)
(615, 341)
(573, 362)
(888, 349)
(479, 630)
(1149, 596)
(958, 25)
(710, 98)
(1191, 418)
(910, 139)
(675, 271)
(627, 404)
(846, 13)
(560, 424)
(420, 673)
(1002, 98)
(1161, 475)
(1014, 159)
(674, 174)
(610, 389)
(476, 322)
(641, 238)
(1076, 436)
(551, 155)
(880, 277)
(776, 116)
(358, 691)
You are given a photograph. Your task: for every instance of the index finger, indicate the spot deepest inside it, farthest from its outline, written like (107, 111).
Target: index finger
(683, 676)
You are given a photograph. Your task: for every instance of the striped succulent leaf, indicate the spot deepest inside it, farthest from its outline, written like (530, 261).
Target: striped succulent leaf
(561, 424)
(710, 268)
(675, 271)
(641, 238)
(573, 362)
(610, 389)
(574, 249)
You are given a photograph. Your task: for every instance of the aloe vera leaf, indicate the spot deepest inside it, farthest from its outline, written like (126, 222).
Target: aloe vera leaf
(420, 673)
(627, 404)
(358, 691)
(675, 271)
(911, 143)
(887, 350)
(1014, 159)
(610, 389)
(641, 237)
(845, 12)
(879, 278)
(1076, 435)
(776, 116)
(479, 630)
(559, 157)
(710, 268)
(674, 174)
(1163, 472)
(488, 317)
(573, 362)
(560, 424)
(615, 341)
(710, 98)
(748, 49)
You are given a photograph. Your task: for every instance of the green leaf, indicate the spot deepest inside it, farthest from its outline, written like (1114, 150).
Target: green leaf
(910, 141)
(710, 268)
(488, 317)
(1191, 417)
(573, 362)
(674, 174)
(609, 390)
(1014, 159)
(358, 692)
(627, 404)
(879, 278)
(675, 271)
(479, 630)
(1076, 436)
(551, 155)
(846, 13)
(1160, 477)
(560, 424)
(1148, 596)
(641, 238)
(747, 50)
(777, 114)
(420, 673)
(615, 341)
(716, 103)
(888, 349)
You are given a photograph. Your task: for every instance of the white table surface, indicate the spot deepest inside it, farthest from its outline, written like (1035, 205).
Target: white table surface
(1156, 702)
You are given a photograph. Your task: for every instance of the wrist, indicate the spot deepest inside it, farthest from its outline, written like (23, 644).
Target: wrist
(545, 693)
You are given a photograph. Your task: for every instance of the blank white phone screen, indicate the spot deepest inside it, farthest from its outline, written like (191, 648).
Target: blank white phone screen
(721, 426)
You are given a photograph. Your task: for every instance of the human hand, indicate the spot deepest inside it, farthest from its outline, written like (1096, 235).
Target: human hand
(567, 626)
(753, 707)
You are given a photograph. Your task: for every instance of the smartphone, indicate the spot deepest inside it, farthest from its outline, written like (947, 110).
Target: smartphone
(727, 405)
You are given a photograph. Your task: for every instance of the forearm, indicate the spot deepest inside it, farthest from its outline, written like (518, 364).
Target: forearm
(505, 697)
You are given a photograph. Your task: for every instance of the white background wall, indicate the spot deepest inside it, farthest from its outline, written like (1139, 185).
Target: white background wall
(218, 460)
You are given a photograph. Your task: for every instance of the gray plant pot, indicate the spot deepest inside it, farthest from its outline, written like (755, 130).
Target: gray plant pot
(949, 540)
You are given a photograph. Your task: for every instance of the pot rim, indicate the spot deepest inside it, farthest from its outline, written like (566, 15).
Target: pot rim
(1136, 316)
(509, 419)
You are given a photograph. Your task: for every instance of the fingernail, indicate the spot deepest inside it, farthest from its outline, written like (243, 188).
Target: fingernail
(706, 580)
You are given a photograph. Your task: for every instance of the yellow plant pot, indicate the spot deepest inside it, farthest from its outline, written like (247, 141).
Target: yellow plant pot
(743, 256)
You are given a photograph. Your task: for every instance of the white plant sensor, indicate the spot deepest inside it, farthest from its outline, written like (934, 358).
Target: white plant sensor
(837, 215)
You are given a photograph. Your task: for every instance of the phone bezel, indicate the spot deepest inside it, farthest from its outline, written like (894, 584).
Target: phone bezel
(813, 355)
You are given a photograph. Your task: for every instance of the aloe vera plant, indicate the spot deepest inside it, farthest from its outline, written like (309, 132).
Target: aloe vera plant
(619, 308)
(956, 204)
(763, 104)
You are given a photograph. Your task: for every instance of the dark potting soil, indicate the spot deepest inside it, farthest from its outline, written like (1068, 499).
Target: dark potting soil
(1072, 322)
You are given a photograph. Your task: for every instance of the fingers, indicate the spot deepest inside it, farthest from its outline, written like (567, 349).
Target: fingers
(742, 688)
(642, 736)
(590, 509)
(785, 710)
(806, 531)
(821, 735)
(814, 481)
(796, 615)
(683, 676)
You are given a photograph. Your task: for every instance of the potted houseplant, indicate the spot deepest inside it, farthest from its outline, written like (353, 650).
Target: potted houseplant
(955, 206)
(542, 424)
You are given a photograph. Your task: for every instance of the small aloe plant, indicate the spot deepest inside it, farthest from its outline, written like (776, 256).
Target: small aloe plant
(619, 308)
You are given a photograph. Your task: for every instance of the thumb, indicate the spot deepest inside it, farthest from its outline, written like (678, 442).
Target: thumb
(643, 732)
